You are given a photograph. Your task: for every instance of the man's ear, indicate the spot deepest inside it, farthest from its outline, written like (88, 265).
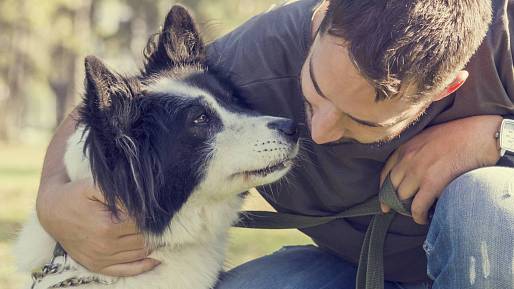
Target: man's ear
(459, 80)
(179, 43)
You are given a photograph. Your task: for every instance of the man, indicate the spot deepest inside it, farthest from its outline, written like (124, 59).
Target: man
(379, 88)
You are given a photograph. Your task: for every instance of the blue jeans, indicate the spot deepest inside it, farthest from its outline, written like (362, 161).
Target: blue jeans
(470, 245)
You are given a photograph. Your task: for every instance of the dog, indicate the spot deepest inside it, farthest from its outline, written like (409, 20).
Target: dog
(176, 148)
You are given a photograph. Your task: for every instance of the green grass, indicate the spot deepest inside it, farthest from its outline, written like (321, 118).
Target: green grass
(19, 176)
(20, 167)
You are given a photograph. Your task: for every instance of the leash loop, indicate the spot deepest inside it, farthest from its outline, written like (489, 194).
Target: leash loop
(370, 272)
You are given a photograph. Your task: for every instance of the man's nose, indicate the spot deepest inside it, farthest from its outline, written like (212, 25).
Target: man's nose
(325, 129)
(325, 137)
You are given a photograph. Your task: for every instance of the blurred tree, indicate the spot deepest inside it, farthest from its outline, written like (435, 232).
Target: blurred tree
(65, 51)
(13, 69)
(43, 43)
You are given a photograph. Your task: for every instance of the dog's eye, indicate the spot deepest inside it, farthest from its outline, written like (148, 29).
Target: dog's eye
(201, 119)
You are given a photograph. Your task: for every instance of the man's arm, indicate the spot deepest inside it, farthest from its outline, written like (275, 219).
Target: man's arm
(426, 164)
(74, 214)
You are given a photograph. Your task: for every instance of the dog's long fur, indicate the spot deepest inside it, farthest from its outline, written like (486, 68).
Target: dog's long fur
(172, 148)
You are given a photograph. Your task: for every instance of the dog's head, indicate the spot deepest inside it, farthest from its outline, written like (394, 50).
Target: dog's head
(175, 130)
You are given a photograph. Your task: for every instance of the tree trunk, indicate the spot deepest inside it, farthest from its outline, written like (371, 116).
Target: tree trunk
(66, 80)
(12, 107)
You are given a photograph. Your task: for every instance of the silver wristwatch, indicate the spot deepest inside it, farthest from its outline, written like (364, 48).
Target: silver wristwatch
(506, 137)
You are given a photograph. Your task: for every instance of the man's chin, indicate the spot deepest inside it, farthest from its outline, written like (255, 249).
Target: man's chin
(346, 140)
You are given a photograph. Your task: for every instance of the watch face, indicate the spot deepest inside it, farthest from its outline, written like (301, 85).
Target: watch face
(507, 135)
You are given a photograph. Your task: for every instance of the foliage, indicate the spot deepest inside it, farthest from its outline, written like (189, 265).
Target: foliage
(44, 44)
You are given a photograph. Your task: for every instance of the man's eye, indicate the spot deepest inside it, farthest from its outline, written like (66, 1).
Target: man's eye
(203, 118)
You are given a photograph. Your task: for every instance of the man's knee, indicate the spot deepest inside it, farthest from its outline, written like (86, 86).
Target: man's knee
(474, 200)
(476, 206)
(472, 230)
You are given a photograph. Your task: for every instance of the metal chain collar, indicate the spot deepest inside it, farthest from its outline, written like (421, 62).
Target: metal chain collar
(60, 265)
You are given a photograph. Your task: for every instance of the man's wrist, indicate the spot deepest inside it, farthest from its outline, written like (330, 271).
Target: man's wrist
(490, 131)
(42, 207)
(47, 198)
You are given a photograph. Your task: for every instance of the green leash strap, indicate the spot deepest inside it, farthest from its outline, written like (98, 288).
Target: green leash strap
(370, 273)
(273, 220)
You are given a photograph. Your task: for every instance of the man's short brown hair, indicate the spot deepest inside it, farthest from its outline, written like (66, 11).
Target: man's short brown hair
(409, 42)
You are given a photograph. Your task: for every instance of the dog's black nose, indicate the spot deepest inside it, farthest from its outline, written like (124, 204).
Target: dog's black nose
(285, 126)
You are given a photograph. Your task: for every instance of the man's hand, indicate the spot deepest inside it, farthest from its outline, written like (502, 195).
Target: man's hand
(426, 164)
(75, 215)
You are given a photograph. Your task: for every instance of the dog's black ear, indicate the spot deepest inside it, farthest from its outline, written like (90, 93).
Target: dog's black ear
(109, 111)
(101, 84)
(108, 99)
(179, 43)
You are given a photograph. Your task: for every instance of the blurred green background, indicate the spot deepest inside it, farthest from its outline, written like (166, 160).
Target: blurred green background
(42, 47)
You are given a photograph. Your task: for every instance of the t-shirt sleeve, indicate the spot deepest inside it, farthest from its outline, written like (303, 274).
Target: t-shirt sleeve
(490, 86)
(267, 46)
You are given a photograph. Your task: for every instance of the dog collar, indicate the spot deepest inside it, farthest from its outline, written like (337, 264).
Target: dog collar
(60, 273)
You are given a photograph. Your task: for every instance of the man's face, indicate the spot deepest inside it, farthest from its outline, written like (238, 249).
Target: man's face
(340, 102)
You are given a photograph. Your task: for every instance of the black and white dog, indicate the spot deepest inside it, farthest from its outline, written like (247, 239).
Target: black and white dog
(174, 149)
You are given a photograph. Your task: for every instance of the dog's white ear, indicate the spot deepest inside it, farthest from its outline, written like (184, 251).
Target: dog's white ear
(102, 84)
(179, 43)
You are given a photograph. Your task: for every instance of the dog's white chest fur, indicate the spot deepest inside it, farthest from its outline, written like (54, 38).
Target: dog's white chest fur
(191, 250)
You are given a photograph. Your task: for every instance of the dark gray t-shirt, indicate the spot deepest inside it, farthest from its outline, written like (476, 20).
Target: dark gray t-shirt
(264, 57)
